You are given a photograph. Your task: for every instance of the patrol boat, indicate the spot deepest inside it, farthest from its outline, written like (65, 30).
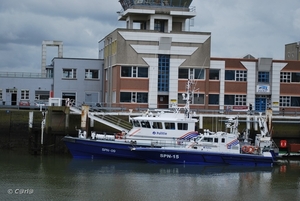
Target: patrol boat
(153, 129)
(212, 148)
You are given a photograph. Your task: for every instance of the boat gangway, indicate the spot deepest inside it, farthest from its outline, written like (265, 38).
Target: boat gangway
(109, 119)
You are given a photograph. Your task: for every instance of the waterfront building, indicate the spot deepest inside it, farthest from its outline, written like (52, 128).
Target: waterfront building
(77, 79)
(147, 64)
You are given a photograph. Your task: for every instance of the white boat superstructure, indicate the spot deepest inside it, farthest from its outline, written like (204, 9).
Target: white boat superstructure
(158, 126)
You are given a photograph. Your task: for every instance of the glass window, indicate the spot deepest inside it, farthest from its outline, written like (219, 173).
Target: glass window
(125, 97)
(180, 99)
(159, 25)
(0, 94)
(145, 124)
(213, 99)
(241, 75)
(214, 74)
(25, 94)
(285, 101)
(285, 77)
(157, 125)
(229, 75)
(295, 77)
(142, 72)
(91, 74)
(142, 97)
(240, 99)
(263, 77)
(183, 73)
(295, 101)
(163, 73)
(182, 126)
(69, 73)
(169, 126)
(199, 73)
(198, 99)
(229, 100)
(125, 71)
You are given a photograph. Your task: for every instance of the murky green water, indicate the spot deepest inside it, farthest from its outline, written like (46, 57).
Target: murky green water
(27, 177)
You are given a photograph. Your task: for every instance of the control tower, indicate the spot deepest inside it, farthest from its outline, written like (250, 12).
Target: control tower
(147, 63)
(161, 15)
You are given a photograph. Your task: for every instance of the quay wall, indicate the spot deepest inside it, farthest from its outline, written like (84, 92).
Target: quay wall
(15, 132)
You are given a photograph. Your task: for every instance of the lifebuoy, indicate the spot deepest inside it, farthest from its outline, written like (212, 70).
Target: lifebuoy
(119, 136)
(248, 149)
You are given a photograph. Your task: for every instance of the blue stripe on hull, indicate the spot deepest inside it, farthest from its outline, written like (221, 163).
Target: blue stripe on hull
(95, 149)
(203, 158)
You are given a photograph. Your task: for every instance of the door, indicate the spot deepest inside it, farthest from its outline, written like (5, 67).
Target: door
(163, 101)
(260, 104)
(13, 99)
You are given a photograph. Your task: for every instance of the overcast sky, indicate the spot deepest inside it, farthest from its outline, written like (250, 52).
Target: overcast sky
(238, 27)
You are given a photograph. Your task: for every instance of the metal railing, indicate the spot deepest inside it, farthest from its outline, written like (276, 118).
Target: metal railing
(24, 75)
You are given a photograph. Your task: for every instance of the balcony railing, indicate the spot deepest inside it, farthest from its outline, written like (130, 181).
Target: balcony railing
(25, 75)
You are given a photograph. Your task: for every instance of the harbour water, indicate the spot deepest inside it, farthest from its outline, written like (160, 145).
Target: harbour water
(54, 177)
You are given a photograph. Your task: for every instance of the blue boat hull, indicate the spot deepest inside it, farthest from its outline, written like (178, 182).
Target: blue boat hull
(154, 155)
(86, 148)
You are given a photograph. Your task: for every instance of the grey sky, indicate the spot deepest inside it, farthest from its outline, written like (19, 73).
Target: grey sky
(238, 27)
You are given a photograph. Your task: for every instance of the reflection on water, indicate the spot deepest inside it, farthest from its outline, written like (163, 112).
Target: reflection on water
(25, 177)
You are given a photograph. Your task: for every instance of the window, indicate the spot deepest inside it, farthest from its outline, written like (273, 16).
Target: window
(295, 77)
(133, 71)
(263, 77)
(214, 74)
(133, 97)
(213, 99)
(180, 99)
(159, 25)
(157, 125)
(136, 123)
(240, 100)
(145, 124)
(183, 73)
(199, 73)
(42, 95)
(125, 97)
(163, 73)
(289, 77)
(238, 75)
(169, 126)
(69, 73)
(295, 101)
(235, 100)
(229, 100)
(285, 101)
(142, 97)
(195, 73)
(0, 94)
(198, 99)
(182, 126)
(142, 72)
(285, 77)
(125, 71)
(207, 139)
(241, 75)
(229, 75)
(289, 101)
(24, 94)
(91, 74)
